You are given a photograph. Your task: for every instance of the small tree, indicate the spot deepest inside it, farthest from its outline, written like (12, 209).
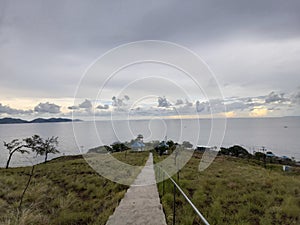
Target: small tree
(49, 146)
(187, 144)
(119, 147)
(34, 143)
(12, 147)
(41, 146)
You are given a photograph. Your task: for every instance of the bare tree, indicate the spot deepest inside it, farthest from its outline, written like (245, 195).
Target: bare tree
(12, 147)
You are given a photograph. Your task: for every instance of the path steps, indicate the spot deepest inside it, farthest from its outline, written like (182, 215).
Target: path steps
(141, 204)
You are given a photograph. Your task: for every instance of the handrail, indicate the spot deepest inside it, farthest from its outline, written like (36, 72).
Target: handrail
(186, 197)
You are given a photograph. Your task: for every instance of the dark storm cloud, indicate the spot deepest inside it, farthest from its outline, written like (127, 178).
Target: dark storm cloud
(47, 45)
(218, 20)
(47, 108)
(94, 23)
(5, 109)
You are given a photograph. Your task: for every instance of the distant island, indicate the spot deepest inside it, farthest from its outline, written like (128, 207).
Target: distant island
(38, 120)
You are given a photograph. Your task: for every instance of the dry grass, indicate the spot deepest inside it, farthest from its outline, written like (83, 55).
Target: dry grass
(63, 191)
(235, 191)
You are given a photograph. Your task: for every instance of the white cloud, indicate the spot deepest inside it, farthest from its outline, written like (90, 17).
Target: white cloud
(5, 109)
(47, 108)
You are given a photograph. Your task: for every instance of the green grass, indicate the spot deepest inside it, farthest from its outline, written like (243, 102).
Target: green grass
(63, 191)
(235, 191)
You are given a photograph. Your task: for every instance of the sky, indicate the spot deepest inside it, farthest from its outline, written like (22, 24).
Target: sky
(251, 47)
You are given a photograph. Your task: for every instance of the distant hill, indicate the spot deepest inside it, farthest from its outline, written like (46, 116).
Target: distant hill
(12, 120)
(38, 120)
(51, 120)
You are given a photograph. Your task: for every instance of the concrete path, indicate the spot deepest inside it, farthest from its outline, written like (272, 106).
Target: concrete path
(141, 204)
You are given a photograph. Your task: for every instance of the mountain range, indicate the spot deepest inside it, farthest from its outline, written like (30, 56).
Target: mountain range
(38, 120)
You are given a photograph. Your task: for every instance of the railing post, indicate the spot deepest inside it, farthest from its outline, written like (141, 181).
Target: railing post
(163, 184)
(174, 204)
(176, 186)
(159, 185)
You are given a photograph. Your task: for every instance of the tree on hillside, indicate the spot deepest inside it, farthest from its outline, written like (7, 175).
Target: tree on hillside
(119, 147)
(41, 146)
(12, 147)
(49, 146)
(236, 151)
(187, 144)
(34, 143)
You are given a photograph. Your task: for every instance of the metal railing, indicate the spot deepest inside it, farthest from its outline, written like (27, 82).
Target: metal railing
(161, 173)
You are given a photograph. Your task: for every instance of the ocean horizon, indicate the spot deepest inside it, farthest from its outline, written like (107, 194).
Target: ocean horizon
(276, 134)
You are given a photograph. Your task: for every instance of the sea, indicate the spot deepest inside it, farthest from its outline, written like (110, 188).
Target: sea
(279, 135)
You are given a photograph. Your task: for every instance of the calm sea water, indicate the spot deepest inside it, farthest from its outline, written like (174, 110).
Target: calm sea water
(280, 135)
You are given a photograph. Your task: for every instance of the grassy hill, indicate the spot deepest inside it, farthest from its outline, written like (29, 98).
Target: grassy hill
(63, 191)
(235, 191)
(231, 191)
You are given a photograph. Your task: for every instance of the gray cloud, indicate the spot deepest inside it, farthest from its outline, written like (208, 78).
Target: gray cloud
(42, 42)
(5, 109)
(236, 106)
(179, 102)
(74, 107)
(86, 104)
(120, 102)
(200, 107)
(274, 97)
(103, 106)
(187, 103)
(47, 108)
(163, 102)
(296, 98)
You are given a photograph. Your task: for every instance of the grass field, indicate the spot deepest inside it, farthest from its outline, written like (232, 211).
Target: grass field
(63, 191)
(234, 191)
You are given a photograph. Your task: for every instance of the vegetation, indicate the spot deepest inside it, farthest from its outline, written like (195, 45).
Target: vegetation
(234, 191)
(236, 151)
(35, 143)
(119, 147)
(65, 190)
(187, 144)
(12, 147)
(41, 146)
(268, 157)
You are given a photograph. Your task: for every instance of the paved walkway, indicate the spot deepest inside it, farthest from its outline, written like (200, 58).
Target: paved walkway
(141, 204)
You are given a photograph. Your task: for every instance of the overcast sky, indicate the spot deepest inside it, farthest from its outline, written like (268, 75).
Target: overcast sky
(253, 48)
